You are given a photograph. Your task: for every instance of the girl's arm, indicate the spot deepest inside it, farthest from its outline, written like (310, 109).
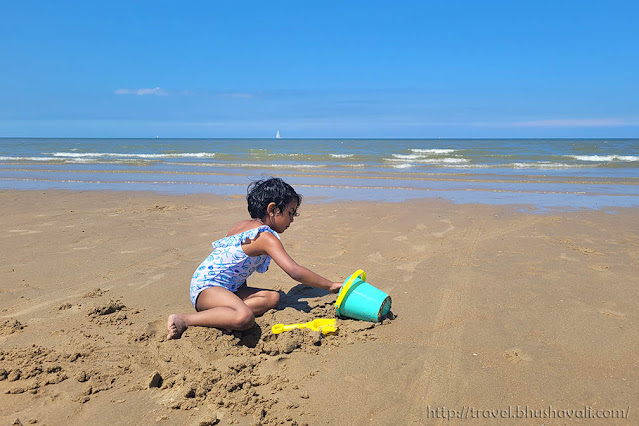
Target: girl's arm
(274, 248)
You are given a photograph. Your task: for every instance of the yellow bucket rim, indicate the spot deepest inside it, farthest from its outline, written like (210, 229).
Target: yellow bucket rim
(347, 285)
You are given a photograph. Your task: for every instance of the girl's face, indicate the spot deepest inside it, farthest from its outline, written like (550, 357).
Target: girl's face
(282, 220)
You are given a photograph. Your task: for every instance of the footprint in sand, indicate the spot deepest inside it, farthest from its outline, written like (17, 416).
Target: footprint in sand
(408, 266)
(599, 268)
(375, 257)
(408, 270)
(449, 228)
(152, 280)
(337, 253)
(516, 355)
(415, 247)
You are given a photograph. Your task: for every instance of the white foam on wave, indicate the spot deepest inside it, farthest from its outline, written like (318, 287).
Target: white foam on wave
(278, 154)
(605, 157)
(279, 166)
(543, 165)
(434, 150)
(537, 165)
(341, 155)
(78, 160)
(407, 156)
(429, 156)
(75, 160)
(254, 165)
(51, 159)
(470, 166)
(29, 159)
(445, 160)
(402, 166)
(133, 155)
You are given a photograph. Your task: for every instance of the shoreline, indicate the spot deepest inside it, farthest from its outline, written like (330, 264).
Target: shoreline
(545, 194)
(495, 307)
(549, 173)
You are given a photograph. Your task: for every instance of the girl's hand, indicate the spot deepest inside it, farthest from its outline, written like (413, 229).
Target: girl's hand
(334, 288)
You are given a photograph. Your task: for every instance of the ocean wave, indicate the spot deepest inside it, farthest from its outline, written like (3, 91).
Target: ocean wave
(277, 154)
(255, 165)
(133, 155)
(407, 156)
(445, 160)
(280, 166)
(465, 165)
(428, 156)
(434, 150)
(543, 165)
(51, 160)
(470, 166)
(605, 157)
(342, 155)
(535, 165)
(29, 159)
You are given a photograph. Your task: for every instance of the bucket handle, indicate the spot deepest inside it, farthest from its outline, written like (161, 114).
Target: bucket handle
(347, 284)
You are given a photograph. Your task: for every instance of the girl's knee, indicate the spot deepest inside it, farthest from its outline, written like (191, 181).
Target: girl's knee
(244, 320)
(273, 299)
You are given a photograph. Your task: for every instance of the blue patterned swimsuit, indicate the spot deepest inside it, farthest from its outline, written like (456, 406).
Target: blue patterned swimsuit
(228, 266)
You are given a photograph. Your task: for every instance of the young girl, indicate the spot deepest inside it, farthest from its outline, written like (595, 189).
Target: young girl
(218, 288)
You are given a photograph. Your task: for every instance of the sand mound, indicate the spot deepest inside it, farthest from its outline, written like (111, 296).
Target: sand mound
(232, 375)
(244, 373)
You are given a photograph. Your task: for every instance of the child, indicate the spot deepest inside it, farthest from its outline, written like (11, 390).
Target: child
(218, 288)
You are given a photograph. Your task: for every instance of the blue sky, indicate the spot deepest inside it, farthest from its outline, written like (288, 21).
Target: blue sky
(330, 69)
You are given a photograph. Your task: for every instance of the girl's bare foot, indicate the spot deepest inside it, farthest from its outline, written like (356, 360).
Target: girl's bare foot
(176, 326)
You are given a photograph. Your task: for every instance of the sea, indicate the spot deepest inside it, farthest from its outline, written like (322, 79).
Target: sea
(537, 174)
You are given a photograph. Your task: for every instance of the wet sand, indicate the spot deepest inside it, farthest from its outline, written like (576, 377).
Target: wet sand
(496, 309)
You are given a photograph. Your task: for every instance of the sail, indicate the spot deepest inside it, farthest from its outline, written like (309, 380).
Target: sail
(277, 136)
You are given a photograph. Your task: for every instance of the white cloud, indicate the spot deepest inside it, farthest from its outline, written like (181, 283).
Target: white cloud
(158, 91)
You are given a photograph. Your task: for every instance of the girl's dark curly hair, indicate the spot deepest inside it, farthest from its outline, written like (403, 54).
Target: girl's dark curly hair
(262, 192)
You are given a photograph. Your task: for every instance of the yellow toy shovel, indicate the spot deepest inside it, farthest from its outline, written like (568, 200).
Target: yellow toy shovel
(325, 325)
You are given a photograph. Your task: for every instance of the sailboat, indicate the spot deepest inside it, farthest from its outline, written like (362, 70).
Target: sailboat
(277, 136)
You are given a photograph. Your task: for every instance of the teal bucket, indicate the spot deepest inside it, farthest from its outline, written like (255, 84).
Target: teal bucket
(358, 299)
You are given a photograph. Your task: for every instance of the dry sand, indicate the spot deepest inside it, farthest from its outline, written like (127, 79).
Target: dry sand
(495, 308)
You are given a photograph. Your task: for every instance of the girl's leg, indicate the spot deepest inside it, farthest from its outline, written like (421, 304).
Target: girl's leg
(217, 307)
(258, 299)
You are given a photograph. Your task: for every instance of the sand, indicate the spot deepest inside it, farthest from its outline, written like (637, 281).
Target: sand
(499, 312)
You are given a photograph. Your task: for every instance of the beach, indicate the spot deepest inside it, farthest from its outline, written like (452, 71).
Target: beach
(499, 312)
